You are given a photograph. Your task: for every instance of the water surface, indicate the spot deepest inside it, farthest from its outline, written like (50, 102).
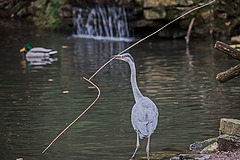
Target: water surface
(34, 108)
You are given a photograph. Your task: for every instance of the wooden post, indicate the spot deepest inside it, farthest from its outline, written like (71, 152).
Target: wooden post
(234, 53)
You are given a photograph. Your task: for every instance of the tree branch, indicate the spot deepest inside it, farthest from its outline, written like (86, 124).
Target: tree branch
(227, 50)
(234, 53)
(229, 74)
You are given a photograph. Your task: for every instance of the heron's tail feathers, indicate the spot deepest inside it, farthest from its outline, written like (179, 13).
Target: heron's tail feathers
(145, 130)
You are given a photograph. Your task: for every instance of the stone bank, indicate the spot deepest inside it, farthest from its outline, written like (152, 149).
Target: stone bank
(222, 19)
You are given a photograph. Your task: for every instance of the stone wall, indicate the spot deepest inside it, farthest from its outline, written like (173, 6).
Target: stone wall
(219, 19)
(145, 16)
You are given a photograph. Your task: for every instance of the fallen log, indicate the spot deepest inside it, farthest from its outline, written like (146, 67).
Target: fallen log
(235, 46)
(229, 74)
(227, 50)
(234, 53)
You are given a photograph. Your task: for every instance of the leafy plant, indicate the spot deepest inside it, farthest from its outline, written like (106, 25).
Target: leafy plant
(50, 17)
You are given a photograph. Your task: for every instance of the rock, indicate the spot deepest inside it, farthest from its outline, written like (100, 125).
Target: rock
(205, 147)
(156, 3)
(166, 3)
(187, 2)
(62, 2)
(172, 13)
(175, 12)
(222, 15)
(236, 39)
(228, 140)
(229, 126)
(17, 8)
(139, 2)
(207, 16)
(228, 143)
(212, 148)
(144, 23)
(164, 154)
(193, 157)
(150, 3)
(38, 7)
(66, 11)
(174, 158)
(139, 11)
(200, 145)
(153, 14)
(226, 155)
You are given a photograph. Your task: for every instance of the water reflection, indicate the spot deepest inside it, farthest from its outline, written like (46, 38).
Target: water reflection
(34, 64)
(34, 108)
(90, 54)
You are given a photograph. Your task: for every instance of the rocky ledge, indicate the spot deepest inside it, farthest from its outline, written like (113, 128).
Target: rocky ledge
(219, 19)
(225, 146)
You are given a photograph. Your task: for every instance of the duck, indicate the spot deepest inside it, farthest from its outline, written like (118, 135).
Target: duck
(29, 51)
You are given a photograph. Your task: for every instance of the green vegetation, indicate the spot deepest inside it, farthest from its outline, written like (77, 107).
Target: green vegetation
(49, 18)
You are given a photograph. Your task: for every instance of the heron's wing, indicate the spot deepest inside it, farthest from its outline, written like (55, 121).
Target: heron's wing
(144, 117)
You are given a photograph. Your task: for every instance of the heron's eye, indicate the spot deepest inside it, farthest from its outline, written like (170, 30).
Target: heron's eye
(127, 56)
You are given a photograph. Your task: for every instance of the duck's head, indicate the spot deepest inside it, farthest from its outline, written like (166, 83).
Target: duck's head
(26, 48)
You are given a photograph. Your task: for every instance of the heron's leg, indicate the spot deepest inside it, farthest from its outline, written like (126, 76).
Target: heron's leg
(147, 148)
(137, 146)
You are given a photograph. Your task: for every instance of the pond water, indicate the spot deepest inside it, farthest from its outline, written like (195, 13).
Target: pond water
(34, 107)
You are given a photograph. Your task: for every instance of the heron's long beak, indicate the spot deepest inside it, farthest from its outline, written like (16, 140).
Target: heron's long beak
(23, 50)
(118, 57)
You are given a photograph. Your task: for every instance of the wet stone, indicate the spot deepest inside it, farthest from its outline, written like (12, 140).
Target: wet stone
(235, 39)
(152, 14)
(229, 127)
(175, 158)
(200, 145)
(228, 143)
(193, 157)
(212, 148)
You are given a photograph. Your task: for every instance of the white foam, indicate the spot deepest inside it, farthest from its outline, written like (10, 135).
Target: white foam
(125, 39)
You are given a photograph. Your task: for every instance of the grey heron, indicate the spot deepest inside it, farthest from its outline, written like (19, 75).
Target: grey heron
(144, 115)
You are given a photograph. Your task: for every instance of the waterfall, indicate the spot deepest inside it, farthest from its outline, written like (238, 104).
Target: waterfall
(100, 22)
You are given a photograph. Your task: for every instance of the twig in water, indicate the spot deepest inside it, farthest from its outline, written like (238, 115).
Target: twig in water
(77, 117)
(187, 37)
(89, 80)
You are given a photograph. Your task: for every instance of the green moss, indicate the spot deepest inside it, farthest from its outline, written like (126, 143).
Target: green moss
(210, 148)
(230, 127)
(50, 18)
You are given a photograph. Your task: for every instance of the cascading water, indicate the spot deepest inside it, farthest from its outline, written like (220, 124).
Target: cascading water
(100, 22)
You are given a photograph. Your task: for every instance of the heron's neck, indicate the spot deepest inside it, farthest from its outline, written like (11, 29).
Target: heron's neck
(136, 92)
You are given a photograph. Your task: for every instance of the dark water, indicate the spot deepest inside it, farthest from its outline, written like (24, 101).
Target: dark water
(34, 109)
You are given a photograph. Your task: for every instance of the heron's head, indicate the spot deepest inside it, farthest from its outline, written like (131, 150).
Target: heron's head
(125, 57)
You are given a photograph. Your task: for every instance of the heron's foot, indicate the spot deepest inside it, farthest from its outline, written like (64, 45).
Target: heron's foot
(132, 158)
